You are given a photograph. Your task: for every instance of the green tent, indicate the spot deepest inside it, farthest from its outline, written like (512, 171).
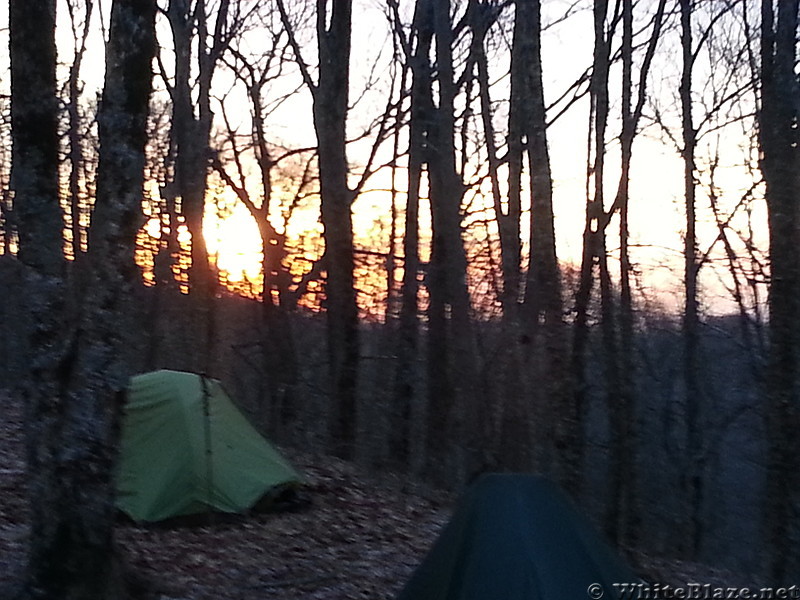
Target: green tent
(185, 449)
(517, 537)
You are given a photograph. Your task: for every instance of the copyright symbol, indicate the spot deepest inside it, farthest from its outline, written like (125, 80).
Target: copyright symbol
(595, 591)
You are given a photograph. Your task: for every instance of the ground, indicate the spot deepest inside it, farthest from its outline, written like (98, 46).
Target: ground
(361, 537)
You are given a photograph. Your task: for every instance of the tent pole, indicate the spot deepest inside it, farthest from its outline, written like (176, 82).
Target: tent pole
(209, 455)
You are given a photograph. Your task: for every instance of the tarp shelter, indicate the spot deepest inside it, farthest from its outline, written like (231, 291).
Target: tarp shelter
(517, 537)
(186, 449)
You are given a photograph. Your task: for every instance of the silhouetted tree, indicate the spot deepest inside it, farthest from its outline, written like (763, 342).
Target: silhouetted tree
(77, 374)
(330, 105)
(778, 120)
(34, 118)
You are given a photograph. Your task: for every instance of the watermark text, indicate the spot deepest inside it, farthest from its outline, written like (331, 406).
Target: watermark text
(690, 591)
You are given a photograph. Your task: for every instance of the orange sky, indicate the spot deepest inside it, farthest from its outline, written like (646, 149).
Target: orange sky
(656, 211)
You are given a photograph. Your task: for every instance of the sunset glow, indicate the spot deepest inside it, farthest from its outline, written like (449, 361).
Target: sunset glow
(234, 241)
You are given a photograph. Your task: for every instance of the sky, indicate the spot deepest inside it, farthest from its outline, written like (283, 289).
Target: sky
(657, 220)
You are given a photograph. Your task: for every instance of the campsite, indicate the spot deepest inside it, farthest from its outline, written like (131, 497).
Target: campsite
(398, 299)
(362, 537)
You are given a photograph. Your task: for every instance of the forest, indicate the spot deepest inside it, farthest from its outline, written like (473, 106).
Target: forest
(434, 238)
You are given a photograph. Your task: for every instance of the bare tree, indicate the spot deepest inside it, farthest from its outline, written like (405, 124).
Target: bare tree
(594, 235)
(330, 98)
(415, 50)
(482, 16)
(693, 478)
(76, 186)
(542, 309)
(452, 356)
(194, 23)
(617, 316)
(256, 74)
(625, 514)
(78, 375)
(34, 118)
(780, 163)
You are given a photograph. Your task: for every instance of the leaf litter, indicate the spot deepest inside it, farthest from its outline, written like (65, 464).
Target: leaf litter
(360, 537)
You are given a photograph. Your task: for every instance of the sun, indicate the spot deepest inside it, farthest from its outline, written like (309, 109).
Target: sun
(233, 239)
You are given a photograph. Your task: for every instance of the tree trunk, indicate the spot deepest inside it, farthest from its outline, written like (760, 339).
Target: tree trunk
(34, 178)
(277, 335)
(330, 117)
(176, 191)
(627, 429)
(452, 358)
(624, 416)
(7, 220)
(190, 134)
(406, 386)
(508, 219)
(76, 159)
(73, 420)
(780, 165)
(511, 443)
(206, 277)
(693, 484)
(594, 246)
(543, 307)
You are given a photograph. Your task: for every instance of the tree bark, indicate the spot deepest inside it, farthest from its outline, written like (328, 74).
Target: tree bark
(34, 179)
(406, 386)
(76, 158)
(625, 417)
(330, 117)
(74, 414)
(693, 484)
(594, 245)
(452, 357)
(330, 105)
(190, 135)
(780, 164)
(542, 309)
(483, 17)
(7, 220)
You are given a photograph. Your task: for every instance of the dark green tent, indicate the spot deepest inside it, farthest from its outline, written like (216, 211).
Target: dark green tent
(517, 537)
(186, 449)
